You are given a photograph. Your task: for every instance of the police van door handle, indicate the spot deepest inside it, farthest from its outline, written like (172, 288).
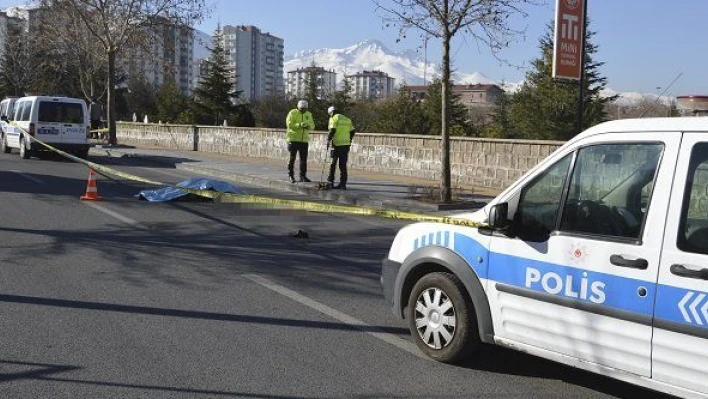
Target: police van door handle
(683, 271)
(619, 260)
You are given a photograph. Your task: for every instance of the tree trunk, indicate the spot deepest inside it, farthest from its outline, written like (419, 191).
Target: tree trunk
(111, 98)
(445, 183)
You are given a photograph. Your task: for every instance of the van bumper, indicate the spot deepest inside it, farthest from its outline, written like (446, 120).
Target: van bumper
(389, 272)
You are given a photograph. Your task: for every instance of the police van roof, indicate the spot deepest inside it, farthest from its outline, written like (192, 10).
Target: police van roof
(643, 125)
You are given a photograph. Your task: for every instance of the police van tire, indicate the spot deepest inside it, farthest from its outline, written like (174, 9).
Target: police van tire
(441, 318)
(5, 148)
(24, 152)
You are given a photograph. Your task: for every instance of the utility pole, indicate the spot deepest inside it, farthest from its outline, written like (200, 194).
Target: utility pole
(425, 59)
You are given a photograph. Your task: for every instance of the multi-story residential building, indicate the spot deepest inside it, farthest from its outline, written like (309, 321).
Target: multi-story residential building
(479, 99)
(372, 84)
(298, 81)
(201, 43)
(169, 58)
(477, 95)
(257, 60)
(8, 26)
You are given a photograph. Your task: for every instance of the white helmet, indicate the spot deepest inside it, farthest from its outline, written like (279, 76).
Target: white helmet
(302, 104)
(331, 109)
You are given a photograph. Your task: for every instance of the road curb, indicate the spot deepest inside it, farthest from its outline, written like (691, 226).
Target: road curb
(349, 197)
(341, 197)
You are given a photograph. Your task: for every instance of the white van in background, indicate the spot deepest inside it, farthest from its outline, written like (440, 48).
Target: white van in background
(61, 122)
(7, 107)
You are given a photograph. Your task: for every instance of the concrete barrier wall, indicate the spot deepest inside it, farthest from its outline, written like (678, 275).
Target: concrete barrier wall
(474, 162)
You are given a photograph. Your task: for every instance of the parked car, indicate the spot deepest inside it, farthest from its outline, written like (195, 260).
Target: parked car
(596, 258)
(61, 122)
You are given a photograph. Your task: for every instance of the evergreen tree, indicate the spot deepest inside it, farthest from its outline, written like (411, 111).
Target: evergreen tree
(215, 95)
(457, 119)
(547, 109)
(172, 104)
(401, 114)
(501, 122)
(316, 102)
(342, 99)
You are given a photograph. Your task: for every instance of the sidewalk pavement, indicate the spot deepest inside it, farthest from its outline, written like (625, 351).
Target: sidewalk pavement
(363, 188)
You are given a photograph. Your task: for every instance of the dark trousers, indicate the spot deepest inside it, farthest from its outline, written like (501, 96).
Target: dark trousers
(340, 155)
(296, 148)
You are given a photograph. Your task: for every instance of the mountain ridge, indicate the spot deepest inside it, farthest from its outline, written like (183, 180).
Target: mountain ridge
(409, 67)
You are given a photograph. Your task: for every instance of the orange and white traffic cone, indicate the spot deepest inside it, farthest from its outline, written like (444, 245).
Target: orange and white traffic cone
(91, 189)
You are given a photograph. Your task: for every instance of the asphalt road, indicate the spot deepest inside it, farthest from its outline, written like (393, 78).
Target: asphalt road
(128, 299)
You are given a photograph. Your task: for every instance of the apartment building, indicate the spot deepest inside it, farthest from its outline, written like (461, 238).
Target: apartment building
(372, 85)
(299, 80)
(257, 60)
(9, 25)
(477, 95)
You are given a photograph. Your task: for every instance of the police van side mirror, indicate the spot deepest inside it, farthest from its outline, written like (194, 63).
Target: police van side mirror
(499, 216)
(3, 118)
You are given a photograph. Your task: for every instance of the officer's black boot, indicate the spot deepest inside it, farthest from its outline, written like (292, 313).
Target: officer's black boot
(341, 186)
(292, 178)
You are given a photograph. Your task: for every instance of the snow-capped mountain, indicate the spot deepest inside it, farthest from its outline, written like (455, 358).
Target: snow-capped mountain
(408, 66)
(632, 98)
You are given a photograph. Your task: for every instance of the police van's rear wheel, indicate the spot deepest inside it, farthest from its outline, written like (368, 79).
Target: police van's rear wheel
(24, 152)
(5, 148)
(441, 318)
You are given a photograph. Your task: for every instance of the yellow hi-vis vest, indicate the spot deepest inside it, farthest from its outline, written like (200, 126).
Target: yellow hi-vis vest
(295, 122)
(343, 126)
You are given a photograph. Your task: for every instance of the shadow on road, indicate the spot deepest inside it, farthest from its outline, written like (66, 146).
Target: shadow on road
(191, 314)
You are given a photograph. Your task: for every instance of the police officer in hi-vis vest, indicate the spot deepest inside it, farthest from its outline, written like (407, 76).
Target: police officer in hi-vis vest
(341, 134)
(299, 124)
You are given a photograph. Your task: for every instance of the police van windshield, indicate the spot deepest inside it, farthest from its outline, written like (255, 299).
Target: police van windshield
(60, 112)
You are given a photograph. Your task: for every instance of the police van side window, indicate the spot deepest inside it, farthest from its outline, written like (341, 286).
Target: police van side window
(19, 109)
(610, 190)
(26, 111)
(540, 201)
(693, 230)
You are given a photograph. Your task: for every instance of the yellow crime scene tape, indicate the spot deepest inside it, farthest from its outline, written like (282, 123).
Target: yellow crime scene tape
(271, 203)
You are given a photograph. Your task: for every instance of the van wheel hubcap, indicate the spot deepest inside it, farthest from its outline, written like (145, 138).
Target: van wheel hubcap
(435, 318)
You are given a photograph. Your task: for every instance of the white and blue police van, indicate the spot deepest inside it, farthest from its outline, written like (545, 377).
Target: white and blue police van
(62, 122)
(596, 258)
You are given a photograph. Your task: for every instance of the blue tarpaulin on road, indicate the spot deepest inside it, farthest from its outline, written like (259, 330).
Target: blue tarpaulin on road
(195, 183)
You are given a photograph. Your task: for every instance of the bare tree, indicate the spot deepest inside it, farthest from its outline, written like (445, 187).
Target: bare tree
(74, 46)
(18, 63)
(487, 21)
(116, 25)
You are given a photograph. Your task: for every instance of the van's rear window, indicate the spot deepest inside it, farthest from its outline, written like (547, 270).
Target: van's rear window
(61, 112)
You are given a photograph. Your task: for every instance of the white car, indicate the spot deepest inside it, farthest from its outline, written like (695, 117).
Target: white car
(596, 258)
(61, 122)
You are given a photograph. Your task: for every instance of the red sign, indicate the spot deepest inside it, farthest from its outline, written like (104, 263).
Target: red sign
(568, 39)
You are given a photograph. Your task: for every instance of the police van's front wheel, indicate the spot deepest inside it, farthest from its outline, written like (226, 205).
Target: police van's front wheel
(441, 318)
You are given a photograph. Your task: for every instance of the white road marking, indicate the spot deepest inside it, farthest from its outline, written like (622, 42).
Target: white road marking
(116, 215)
(27, 176)
(335, 314)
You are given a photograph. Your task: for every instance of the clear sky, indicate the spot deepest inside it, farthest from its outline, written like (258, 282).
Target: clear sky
(644, 43)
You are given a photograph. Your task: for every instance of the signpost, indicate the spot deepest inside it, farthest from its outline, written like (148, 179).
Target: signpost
(569, 46)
